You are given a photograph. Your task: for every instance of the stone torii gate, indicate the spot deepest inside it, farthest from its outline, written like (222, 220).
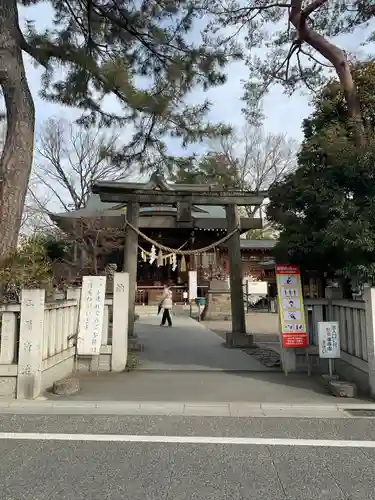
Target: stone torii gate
(158, 192)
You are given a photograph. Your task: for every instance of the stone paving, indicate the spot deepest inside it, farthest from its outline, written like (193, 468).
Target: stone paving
(189, 363)
(265, 326)
(188, 346)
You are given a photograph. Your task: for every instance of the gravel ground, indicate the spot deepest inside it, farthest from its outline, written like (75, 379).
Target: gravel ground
(267, 356)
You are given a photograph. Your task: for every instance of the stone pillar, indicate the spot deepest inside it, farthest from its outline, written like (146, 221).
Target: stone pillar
(120, 321)
(74, 294)
(369, 297)
(131, 259)
(8, 339)
(238, 337)
(29, 376)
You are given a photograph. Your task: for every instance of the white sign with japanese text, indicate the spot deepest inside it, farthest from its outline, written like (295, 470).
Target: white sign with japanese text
(329, 339)
(91, 315)
(193, 285)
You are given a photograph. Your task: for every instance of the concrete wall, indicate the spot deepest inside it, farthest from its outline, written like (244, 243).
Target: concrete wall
(101, 363)
(57, 369)
(8, 386)
(353, 374)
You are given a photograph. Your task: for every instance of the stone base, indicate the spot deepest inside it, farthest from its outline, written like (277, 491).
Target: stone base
(342, 389)
(239, 340)
(134, 345)
(328, 378)
(66, 387)
(8, 387)
(218, 302)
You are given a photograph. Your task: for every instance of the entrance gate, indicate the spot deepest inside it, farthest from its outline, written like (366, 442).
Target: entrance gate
(158, 192)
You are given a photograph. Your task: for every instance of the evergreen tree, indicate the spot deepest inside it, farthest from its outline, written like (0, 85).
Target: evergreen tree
(326, 210)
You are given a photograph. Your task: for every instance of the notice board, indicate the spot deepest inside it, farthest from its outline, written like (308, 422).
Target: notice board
(291, 308)
(91, 315)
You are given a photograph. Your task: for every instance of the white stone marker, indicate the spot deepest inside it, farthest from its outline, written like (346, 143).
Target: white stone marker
(91, 315)
(120, 321)
(30, 344)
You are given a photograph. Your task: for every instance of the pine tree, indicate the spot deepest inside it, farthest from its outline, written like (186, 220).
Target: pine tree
(143, 53)
(299, 45)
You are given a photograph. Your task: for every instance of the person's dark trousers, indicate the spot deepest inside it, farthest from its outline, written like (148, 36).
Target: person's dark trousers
(166, 318)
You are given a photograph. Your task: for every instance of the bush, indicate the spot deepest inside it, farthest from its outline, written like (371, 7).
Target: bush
(27, 267)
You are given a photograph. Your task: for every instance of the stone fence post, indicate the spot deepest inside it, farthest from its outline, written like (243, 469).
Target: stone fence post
(120, 321)
(369, 297)
(30, 356)
(8, 340)
(74, 294)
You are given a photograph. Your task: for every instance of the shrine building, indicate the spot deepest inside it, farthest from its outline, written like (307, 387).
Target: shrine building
(176, 227)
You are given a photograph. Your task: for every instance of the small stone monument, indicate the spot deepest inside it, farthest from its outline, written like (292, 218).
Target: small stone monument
(218, 304)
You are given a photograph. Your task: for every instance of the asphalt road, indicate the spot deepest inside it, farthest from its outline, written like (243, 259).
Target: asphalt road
(176, 458)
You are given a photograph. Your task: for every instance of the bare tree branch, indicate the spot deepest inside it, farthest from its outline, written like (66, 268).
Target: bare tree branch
(70, 159)
(259, 159)
(91, 241)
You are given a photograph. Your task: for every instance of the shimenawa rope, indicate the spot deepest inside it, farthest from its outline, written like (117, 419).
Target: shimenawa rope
(164, 256)
(178, 251)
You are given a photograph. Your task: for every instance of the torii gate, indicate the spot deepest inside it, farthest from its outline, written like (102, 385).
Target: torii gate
(158, 192)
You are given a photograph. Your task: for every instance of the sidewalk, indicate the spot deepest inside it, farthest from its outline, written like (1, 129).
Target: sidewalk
(188, 409)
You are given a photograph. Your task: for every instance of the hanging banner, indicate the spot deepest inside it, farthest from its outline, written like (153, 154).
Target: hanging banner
(193, 285)
(291, 308)
(91, 315)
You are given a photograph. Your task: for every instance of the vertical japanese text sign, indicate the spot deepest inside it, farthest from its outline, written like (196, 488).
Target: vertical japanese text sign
(91, 315)
(291, 309)
(193, 285)
(329, 339)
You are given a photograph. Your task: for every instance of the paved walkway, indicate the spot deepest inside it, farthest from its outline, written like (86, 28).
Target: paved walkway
(188, 346)
(189, 363)
(262, 325)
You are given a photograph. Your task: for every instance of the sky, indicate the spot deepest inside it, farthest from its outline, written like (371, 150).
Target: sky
(283, 114)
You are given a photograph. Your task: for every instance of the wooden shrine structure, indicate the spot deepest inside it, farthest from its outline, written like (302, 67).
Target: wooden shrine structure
(185, 199)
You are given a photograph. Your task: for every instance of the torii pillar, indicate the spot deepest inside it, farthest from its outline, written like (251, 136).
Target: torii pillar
(131, 259)
(237, 337)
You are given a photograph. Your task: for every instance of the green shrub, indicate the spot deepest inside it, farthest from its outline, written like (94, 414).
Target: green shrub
(27, 267)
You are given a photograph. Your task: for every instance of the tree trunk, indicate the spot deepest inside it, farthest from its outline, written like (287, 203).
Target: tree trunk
(336, 56)
(354, 106)
(17, 156)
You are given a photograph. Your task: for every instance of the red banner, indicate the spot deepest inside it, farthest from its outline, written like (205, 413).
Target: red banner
(291, 309)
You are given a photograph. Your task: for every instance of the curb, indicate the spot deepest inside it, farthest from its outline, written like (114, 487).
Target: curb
(183, 409)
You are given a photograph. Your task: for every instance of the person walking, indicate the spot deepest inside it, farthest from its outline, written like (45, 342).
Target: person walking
(167, 304)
